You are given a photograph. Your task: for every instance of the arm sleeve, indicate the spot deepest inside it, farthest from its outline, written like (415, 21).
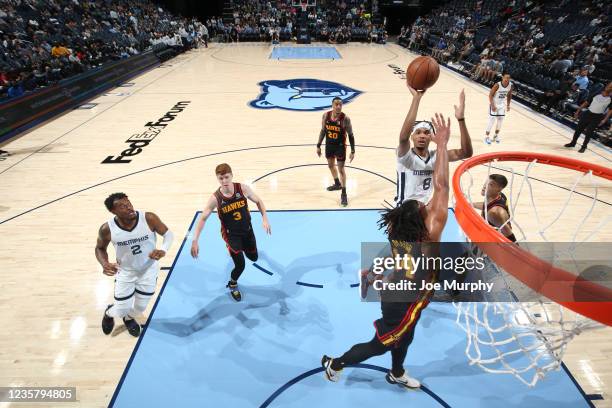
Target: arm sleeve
(168, 238)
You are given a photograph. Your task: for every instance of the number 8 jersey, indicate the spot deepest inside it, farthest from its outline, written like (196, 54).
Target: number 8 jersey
(233, 211)
(414, 177)
(133, 247)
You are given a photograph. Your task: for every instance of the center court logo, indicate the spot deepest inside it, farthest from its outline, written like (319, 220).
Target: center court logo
(302, 94)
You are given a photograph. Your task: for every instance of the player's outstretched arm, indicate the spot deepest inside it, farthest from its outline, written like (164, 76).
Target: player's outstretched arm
(437, 209)
(262, 208)
(208, 208)
(404, 137)
(466, 141)
(321, 135)
(156, 225)
(104, 238)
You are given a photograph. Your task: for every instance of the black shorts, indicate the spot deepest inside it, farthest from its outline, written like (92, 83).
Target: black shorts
(337, 151)
(390, 329)
(243, 241)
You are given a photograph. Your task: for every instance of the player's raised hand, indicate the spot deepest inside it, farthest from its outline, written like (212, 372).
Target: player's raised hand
(110, 269)
(415, 93)
(442, 130)
(460, 110)
(195, 249)
(157, 254)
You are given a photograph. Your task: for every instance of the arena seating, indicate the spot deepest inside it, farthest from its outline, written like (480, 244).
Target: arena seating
(525, 38)
(44, 42)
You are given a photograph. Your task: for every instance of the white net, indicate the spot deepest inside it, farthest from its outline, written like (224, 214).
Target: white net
(528, 339)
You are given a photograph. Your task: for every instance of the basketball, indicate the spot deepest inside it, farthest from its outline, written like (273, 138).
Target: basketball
(422, 73)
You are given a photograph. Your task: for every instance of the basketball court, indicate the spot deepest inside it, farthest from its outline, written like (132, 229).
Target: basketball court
(259, 109)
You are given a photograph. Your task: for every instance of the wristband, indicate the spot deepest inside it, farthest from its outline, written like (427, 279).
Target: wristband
(461, 120)
(319, 145)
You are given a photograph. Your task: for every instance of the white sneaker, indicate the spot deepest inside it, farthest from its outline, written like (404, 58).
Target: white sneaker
(404, 380)
(496, 139)
(487, 140)
(330, 373)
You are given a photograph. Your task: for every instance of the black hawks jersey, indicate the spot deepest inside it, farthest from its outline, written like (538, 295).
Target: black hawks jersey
(233, 211)
(335, 133)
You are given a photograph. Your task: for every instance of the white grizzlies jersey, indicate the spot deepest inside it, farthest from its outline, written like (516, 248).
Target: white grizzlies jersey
(133, 247)
(499, 99)
(414, 177)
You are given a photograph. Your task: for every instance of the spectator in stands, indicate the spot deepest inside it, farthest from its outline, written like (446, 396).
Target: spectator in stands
(597, 114)
(582, 79)
(563, 64)
(467, 49)
(551, 99)
(440, 48)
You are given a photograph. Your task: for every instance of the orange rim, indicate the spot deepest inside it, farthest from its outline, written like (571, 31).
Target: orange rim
(556, 283)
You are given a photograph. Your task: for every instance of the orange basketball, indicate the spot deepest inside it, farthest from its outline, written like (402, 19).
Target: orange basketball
(422, 73)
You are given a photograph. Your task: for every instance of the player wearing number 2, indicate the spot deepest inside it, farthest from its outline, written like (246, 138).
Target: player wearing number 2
(133, 234)
(230, 200)
(415, 165)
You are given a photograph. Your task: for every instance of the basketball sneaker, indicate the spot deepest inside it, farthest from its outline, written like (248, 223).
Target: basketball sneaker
(334, 187)
(343, 200)
(404, 380)
(330, 373)
(487, 140)
(496, 138)
(108, 323)
(132, 326)
(234, 291)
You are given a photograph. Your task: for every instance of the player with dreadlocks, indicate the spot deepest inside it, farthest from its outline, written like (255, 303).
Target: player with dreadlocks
(415, 229)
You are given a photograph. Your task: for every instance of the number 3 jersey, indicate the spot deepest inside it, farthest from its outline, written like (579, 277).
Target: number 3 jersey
(233, 211)
(414, 177)
(133, 246)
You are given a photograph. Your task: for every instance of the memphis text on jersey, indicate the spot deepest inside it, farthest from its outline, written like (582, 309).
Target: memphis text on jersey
(422, 172)
(141, 140)
(133, 241)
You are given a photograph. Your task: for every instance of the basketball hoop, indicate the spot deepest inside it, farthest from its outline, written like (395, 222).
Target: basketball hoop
(528, 339)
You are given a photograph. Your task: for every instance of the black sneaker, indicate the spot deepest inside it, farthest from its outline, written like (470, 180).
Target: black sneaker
(570, 144)
(334, 187)
(132, 326)
(234, 291)
(582, 149)
(4, 153)
(108, 323)
(343, 200)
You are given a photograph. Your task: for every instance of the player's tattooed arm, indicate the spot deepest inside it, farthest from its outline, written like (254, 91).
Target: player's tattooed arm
(156, 225)
(321, 136)
(466, 141)
(208, 208)
(104, 238)
(248, 191)
(349, 130)
(406, 131)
